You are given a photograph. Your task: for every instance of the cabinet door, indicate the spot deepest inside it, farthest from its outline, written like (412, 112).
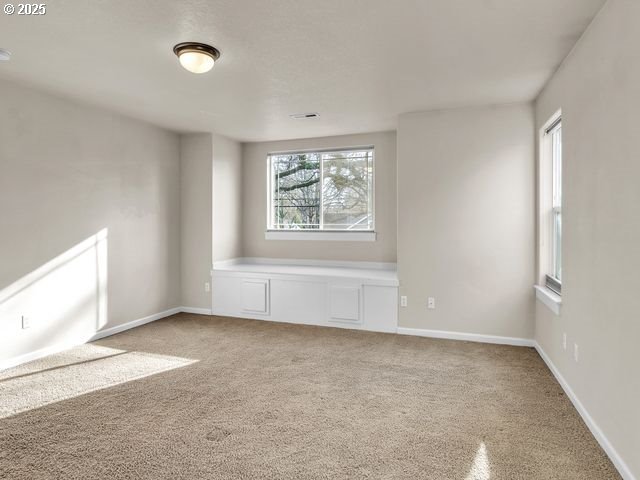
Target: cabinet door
(255, 296)
(381, 308)
(298, 301)
(344, 303)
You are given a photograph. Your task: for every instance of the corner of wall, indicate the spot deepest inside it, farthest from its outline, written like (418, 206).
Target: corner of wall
(196, 157)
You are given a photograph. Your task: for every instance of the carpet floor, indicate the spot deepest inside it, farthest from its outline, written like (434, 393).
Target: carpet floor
(197, 397)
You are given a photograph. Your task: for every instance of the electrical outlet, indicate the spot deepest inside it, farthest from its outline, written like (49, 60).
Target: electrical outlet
(431, 303)
(564, 341)
(26, 323)
(207, 287)
(403, 301)
(575, 352)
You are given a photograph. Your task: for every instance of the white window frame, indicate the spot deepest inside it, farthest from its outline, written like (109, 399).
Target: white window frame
(320, 234)
(554, 274)
(549, 206)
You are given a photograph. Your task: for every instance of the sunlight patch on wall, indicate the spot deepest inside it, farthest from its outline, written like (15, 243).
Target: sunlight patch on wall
(79, 371)
(64, 300)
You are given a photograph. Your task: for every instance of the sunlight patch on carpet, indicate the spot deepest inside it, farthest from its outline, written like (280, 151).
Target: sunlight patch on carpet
(78, 371)
(480, 468)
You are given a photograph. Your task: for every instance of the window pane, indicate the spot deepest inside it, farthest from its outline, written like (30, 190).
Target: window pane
(296, 191)
(346, 190)
(556, 157)
(557, 244)
(556, 139)
(321, 190)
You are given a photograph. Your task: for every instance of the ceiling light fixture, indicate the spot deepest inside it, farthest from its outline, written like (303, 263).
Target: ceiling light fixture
(196, 57)
(5, 55)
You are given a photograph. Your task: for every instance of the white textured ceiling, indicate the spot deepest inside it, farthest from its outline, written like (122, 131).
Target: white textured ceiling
(359, 63)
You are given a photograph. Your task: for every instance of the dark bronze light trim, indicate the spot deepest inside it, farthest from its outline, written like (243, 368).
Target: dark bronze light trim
(196, 47)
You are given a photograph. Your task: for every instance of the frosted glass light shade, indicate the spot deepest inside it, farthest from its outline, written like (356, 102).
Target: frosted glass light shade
(196, 57)
(196, 62)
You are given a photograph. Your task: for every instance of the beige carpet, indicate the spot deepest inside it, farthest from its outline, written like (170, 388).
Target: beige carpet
(195, 397)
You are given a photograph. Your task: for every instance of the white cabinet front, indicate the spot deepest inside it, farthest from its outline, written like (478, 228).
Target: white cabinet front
(311, 299)
(298, 301)
(255, 296)
(344, 303)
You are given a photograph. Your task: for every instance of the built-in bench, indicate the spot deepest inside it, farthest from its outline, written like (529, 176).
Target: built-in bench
(358, 295)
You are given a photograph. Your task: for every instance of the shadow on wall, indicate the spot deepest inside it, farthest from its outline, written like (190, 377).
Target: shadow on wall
(63, 302)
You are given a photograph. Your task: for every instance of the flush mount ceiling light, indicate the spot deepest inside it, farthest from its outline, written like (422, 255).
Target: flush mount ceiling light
(5, 55)
(196, 57)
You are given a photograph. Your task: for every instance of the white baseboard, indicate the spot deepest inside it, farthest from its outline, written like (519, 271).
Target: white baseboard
(604, 442)
(43, 352)
(196, 310)
(135, 323)
(74, 342)
(468, 337)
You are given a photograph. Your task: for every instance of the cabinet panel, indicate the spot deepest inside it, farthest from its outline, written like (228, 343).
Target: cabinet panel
(255, 296)
(344, 303)
(381, 308)
(298, 301)
(226, 295)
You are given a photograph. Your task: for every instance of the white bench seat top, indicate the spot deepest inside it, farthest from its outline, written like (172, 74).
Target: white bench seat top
(371, 276)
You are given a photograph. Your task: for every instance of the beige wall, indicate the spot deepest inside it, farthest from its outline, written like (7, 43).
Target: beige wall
(466, 219)
(597, 90)
(74, 176)
(211, 170)
(196, 181)
(105, 219)
(254, 201)
(227, 198)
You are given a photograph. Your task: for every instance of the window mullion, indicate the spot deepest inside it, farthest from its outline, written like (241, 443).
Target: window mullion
(321, 192)
(276, 220)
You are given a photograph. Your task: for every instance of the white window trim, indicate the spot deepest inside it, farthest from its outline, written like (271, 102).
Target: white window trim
(556, 202)
(325, 235)
(550, 299)
(546, 296)
(322, 235)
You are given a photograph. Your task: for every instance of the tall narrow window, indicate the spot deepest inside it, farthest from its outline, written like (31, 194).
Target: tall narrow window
(554, 141)
(324, 190)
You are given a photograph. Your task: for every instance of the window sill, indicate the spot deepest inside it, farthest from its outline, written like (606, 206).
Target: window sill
(550, 299)
(320, 236)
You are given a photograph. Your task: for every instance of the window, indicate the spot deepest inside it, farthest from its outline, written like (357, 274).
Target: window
(553, 146)
(321, 191)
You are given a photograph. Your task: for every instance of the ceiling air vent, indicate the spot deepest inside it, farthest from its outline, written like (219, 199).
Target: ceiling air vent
(299, 116)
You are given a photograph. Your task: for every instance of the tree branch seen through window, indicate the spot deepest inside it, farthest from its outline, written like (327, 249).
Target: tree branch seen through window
(321, 190)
